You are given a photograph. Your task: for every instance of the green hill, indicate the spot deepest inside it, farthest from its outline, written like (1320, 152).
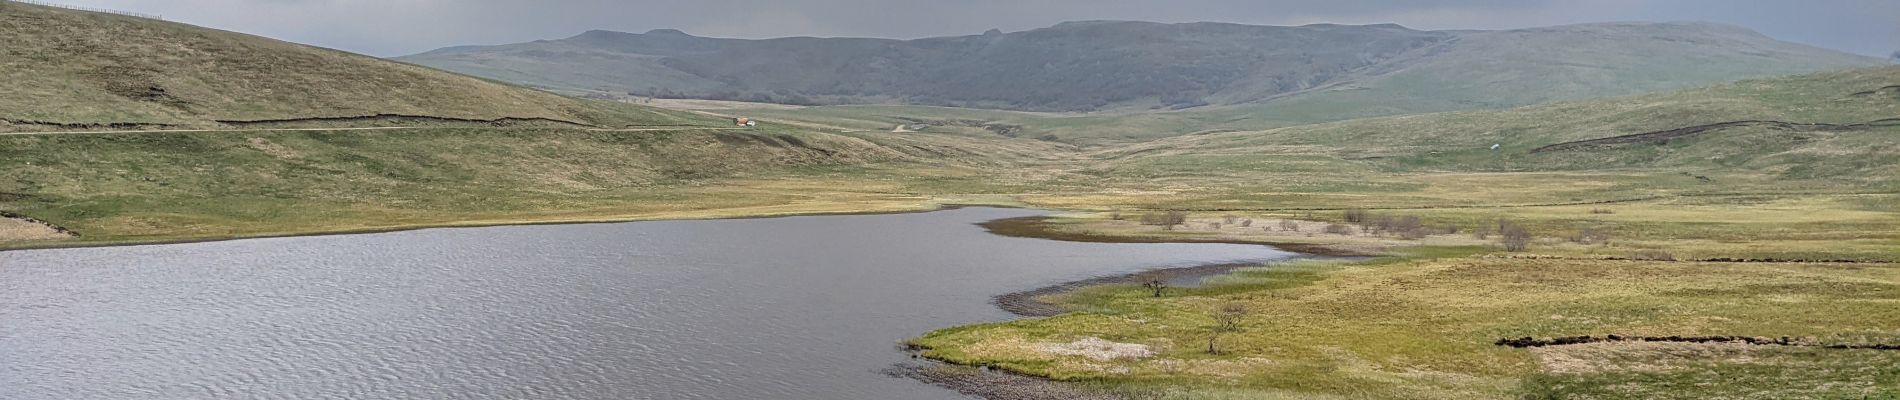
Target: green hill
(77, 68)
(1303, 73)
(1835, 129)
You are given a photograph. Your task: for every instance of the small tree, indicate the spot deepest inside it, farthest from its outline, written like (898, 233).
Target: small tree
(1176, 218)
(1226, 319)
(1289, 225)
(1154, 281)
(1153, 218)
(1590, 234)
(1516, 238)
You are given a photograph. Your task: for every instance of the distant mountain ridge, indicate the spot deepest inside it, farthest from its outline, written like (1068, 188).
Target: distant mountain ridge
(1093, 65)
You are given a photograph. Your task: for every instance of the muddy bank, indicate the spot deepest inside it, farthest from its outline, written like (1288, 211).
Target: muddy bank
(1040, 228)
(996, 385)
(51, 231)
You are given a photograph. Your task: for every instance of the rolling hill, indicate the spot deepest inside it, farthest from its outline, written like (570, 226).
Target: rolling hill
(67, 68)
(1831, 130)
(1321, 72)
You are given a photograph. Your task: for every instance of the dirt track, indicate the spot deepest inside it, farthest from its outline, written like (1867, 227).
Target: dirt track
(1671, 134)
(368, 128)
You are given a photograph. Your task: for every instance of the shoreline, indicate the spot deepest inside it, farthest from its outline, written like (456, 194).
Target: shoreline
(1026, 305)
(58, 245)
(994, 384)
(997, 384)
(1036, 227)
(969, 380)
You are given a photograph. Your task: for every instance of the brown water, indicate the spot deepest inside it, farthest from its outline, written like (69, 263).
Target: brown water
(781, 308)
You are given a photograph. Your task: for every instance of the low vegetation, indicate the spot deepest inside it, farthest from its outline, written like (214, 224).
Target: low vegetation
(1422, 321)
(70, 69)
(1683, 223)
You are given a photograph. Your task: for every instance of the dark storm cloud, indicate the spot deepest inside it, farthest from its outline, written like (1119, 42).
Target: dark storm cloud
(396, 27)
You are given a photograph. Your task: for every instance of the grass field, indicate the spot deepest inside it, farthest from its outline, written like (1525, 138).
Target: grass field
(1420, 322)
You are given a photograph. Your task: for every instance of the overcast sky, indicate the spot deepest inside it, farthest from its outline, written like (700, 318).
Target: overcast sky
(399, 27)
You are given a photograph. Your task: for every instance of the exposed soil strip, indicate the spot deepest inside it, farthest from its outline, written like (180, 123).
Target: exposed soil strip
(1708, 260)
(1025, 303)
(56, 228)
(86, 125)
(1526, 342)
(1678, 133)
(1037, 227)
(642, 128)
(1894, 88)
(995, 384)
(402, 118)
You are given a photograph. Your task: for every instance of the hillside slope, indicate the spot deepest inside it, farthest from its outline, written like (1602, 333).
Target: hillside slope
(84, 68)
(1836, 129)
(1321, 72)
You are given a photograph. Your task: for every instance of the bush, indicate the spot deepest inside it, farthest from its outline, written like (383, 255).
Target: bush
(1588, 235)
(1355, 216)
(1602, 211)
(1229, 219)
(1338, 229)
(1652, 255)
(1246, 223)
(1516, 237)
(1289, 225)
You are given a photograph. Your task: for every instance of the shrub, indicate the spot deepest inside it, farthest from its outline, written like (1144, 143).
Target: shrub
(1229, 219)
(1338, 229)
(1289, 225)
(1355, 216)
(1652, 255)
(1516, 238)
(1588, 235)
(1246, 223)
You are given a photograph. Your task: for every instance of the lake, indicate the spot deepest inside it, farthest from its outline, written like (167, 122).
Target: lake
(775, 308)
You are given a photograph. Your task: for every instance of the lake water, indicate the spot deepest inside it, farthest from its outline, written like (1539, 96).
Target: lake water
(779, 308)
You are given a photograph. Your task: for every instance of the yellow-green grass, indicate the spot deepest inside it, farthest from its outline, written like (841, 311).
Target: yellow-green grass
(77, 67)
(1424, 328)
(170, 186)
(1421, 322)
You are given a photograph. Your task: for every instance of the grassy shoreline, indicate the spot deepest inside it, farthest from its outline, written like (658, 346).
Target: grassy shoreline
(1421, 322)
(665, 216)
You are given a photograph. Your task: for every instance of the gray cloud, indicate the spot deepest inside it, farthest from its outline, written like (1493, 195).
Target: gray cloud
(398, 27)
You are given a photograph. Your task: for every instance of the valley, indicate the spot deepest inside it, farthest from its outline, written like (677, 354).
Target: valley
(1482, 187)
